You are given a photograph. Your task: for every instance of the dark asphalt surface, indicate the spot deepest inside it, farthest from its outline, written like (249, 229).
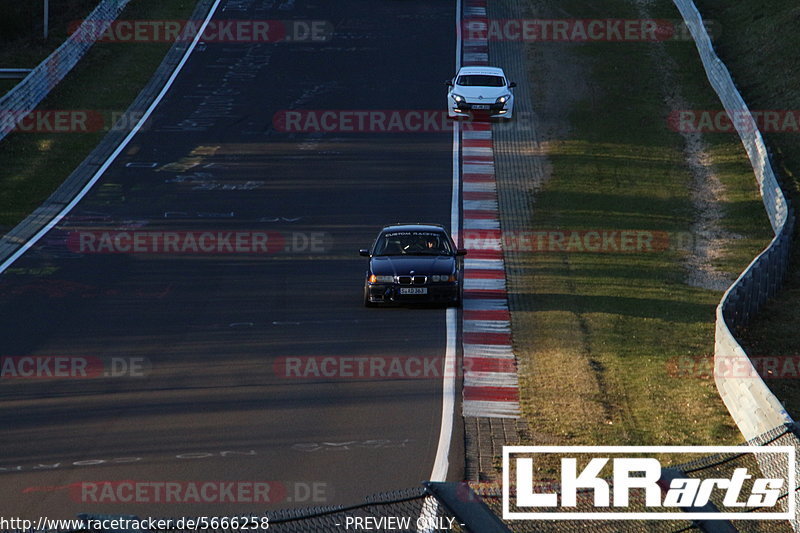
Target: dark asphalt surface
(209, 329)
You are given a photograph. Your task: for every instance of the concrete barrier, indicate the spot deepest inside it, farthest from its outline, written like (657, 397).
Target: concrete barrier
(753, 406)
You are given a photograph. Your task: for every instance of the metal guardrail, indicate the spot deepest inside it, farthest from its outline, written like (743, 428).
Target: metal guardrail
(28, 93)
(14, 73)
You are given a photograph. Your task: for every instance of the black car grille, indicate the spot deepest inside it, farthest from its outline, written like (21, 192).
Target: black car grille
(412, 280)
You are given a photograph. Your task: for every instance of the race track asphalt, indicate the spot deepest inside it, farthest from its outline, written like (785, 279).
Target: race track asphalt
(203, 336)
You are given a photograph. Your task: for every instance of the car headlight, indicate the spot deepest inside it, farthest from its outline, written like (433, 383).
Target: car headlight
(503, 99)
(458, 98)
(381, 279)
(436, 278)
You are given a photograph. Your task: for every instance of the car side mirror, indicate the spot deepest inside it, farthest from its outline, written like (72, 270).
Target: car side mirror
(449, 83)
(512, 84)
(363, 252)
(461, 251)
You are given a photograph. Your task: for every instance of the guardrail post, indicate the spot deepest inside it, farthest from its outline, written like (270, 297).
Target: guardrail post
(466, 506)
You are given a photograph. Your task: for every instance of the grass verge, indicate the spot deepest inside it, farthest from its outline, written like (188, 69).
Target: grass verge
(106, 80)
(609, 343)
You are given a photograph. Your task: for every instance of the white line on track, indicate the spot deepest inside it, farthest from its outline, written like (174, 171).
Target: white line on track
(97, 175)
(441, 463)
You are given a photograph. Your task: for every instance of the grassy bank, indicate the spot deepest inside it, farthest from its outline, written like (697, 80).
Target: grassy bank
(22, 40)
(613, 344)
(106, 80)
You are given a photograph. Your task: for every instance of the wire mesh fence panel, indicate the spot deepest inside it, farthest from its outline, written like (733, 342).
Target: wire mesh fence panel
(492, 496)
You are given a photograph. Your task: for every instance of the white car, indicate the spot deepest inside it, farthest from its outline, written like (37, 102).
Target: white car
(480, 91)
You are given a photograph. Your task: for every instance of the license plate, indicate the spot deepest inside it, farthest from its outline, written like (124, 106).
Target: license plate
(413, 290)
(480, 107)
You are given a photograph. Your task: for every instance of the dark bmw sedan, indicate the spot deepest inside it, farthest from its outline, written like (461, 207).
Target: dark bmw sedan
(413, 263)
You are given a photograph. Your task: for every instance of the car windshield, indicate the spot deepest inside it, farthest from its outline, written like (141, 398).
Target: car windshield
(413, 243)
(480, 80)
